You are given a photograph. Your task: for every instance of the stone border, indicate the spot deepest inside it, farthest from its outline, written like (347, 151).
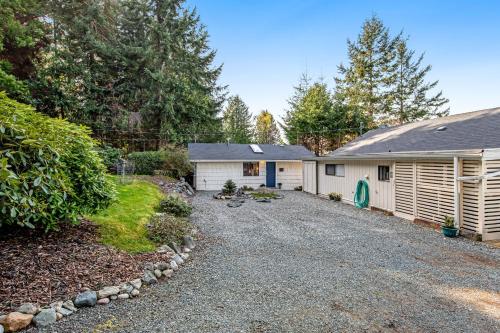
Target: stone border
(29, 313)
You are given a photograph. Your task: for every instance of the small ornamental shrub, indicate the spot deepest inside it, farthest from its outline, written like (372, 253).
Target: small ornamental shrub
(246, 188)
(298, 188)
(175, 205)
(165, 228)
(449, 222)
(229, 187)
(110, 156)
(50, 171)
(176, 162)
(335, 196)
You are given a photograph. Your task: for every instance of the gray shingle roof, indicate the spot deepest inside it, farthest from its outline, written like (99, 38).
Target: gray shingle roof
(465, 131)
(232, 151)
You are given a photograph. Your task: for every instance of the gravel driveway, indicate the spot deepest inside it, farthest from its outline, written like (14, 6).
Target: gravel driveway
(304, 264)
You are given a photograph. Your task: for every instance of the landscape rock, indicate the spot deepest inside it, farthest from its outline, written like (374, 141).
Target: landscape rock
(65, 312)
(162, 265)
(168, 273)
(28, 308)
(137, 283)
(263, 200)
(149, 266)
(186, 250)
(69, 305)
(126, 288)
(59, 316)
(1, 328)
(87, 298)
(108, 291)
(184, 256)
(178, 260)
(113, 297)
(56, 305)
(45, 317)
(157, 273)
(104, 301)
(149, 278)
(164, 249)
(174, 265)
(123, 296)
(16, 321)
(175, 247)
(135, 293)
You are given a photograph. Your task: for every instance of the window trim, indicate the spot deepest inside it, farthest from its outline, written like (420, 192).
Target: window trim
(335, 173)
(250, 162)
(388, 173)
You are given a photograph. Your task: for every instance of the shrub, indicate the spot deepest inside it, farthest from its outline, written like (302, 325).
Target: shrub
(146, 162)
(335, 196)
(298, 188)
(110, 156)
(175, 205)
(165, 228)
(170, 161)
(449, 222)
(246, 188)
(229, 187)
(49, 169)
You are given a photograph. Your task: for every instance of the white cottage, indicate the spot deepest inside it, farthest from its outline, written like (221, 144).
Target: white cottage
(247, 164)
(424, 171)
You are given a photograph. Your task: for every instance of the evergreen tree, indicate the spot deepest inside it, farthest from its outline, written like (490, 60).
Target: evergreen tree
(291, 132)
(237, 121)
(410, 95)
(266, 129)
(23, 34)
(365, 82)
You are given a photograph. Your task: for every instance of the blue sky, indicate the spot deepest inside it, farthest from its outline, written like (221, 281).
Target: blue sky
(266, 45)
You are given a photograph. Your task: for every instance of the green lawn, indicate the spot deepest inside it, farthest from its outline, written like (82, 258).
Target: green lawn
(123, 223)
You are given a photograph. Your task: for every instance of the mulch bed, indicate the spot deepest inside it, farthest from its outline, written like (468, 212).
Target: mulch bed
(43, 267)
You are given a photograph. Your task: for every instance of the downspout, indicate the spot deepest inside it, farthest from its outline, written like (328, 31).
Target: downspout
(456, 191)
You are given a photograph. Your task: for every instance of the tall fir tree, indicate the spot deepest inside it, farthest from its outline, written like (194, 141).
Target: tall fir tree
(365, 82)
(237, 121)
(266, 129)
(412, 97)
(299, 91)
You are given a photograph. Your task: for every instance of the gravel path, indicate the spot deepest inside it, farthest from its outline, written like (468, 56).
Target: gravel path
(304, 264)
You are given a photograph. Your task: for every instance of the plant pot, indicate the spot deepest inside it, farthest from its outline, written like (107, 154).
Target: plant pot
(279, 186)
(450, 232)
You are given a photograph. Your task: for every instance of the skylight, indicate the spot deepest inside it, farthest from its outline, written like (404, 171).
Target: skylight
(256, 149)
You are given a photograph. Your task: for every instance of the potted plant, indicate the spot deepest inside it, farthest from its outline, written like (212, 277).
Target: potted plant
(335, 196)
(448, 227)
(279, 185)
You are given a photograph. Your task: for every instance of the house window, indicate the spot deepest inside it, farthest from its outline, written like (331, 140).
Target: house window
(282, 169)
(383, 173)
(335, 170)
(250, 168)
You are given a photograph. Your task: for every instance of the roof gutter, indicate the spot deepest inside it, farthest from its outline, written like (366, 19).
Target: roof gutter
(477, 153)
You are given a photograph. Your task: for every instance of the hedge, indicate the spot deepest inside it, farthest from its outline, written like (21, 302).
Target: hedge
(50, 171)
(172, 161)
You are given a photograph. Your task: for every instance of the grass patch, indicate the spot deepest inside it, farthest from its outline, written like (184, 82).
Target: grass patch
(123, 224)
(264, 195)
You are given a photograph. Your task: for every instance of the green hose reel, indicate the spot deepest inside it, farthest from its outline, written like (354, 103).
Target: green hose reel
(362, 195)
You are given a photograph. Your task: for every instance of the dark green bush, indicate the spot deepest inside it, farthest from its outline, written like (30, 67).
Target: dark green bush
(229, 187)
(165, 228)
(335, 196)
(175, 205)
(172, 161)
(110, 156)
(49, 169)
(146, 162)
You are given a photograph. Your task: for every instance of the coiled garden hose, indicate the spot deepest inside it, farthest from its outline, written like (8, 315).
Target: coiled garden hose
(362, 196)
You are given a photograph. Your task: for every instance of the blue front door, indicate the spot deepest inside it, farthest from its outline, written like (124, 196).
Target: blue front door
(271, 174)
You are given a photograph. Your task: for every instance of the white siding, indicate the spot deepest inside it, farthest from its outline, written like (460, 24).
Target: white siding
(309, 177)
(291, 176)
(381, 192)
(491, 228)
(211, 176)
